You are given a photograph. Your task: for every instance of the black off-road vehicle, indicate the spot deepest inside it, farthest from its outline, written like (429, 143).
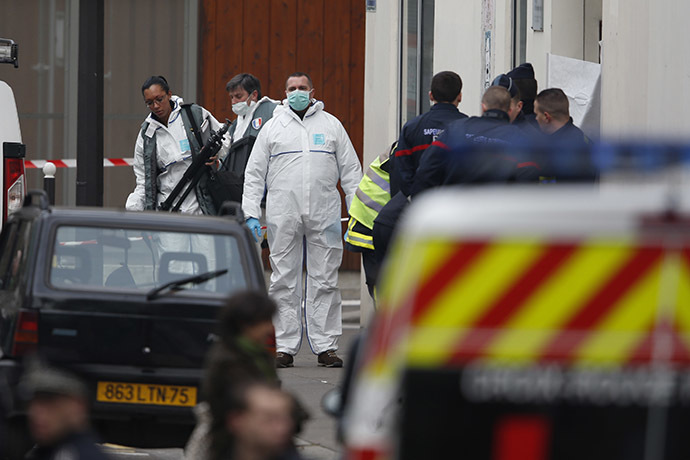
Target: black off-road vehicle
(128, 300)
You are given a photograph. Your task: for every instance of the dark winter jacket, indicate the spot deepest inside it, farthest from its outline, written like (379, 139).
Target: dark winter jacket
(77, 446)
(477, 150)
(415, 137)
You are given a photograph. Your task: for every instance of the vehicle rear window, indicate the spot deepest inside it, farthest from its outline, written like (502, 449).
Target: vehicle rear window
(136, 260)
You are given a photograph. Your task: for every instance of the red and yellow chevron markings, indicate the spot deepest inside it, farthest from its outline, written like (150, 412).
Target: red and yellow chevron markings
(389, 328)
(591, 302)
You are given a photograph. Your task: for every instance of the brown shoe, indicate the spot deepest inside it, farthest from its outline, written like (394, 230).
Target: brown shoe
(284, 360)
(329, 359)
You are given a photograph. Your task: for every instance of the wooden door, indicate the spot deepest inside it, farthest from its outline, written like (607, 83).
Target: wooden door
(272, 39)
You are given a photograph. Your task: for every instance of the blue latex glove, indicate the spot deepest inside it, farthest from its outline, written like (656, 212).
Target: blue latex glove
(255, 227)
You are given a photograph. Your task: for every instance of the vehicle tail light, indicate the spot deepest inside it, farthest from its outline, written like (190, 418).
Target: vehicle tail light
(13, 180)
(26, 334)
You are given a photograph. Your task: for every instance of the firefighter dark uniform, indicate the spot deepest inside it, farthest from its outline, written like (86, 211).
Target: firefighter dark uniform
(529, 126)
(373, 193)
(475, 150)
(568, 145)
(77, 446)
(523, 77)
(415, 137)
(571, 135)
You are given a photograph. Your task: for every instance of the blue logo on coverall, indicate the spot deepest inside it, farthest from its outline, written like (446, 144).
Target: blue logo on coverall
(184, 145)
(319, 139)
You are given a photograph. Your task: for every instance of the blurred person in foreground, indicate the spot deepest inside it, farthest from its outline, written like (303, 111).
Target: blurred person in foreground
(58, 415)
(258, 424)
(241, 355)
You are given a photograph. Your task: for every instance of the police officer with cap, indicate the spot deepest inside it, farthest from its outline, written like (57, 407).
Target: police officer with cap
(517, 118)
(58, 414)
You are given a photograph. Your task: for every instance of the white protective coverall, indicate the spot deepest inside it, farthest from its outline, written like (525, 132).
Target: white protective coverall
(299, 163)
(174, 156)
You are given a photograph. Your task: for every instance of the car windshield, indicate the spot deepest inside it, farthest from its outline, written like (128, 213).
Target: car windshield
(140, 260)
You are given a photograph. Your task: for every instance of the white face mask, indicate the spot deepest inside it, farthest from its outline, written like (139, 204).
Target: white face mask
(242, 108)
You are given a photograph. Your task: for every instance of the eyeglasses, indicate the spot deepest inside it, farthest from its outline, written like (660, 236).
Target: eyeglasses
(159, 100)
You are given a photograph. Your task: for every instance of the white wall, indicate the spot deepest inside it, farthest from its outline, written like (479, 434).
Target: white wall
(381, 94)
(593, 10)
(503, 32)
(458, 46)
(646, 69)
(567, 28)
(539, 43)
(571, 28)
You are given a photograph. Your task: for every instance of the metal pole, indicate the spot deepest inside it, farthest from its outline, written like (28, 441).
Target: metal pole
(90, 104)
(49, 181)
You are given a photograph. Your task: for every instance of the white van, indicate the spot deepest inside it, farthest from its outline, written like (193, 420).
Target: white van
(12, 148)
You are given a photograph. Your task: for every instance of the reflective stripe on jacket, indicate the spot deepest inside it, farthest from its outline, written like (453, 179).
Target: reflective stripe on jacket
(373, 193)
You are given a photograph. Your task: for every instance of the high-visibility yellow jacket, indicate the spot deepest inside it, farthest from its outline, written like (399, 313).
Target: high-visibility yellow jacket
(373, 193)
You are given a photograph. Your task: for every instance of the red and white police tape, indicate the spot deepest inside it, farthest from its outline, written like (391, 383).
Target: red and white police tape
(107, 162)
(72, 163)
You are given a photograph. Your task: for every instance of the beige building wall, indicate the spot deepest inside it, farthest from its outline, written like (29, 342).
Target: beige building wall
(646, 69)
(571, 28)
(381, 97)
(458, 46)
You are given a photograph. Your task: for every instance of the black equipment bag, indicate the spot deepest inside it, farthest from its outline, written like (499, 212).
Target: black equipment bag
(227, 183)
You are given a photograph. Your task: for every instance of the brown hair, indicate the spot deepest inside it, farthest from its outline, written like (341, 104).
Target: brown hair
(555, 102)
(497, 98)
(445, 86)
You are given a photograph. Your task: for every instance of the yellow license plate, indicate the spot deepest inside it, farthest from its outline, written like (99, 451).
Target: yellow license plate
(144, 393)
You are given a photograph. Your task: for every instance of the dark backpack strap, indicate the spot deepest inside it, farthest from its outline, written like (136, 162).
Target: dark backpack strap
(195, 128)
(150, 168)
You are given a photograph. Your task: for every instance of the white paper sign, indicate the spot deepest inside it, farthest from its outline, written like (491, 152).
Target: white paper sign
(581, 82)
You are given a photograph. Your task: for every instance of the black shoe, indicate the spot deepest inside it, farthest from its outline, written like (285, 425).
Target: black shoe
(283, 360)
(329, 359)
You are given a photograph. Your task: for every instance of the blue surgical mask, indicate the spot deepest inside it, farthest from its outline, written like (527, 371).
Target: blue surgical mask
(299, 100)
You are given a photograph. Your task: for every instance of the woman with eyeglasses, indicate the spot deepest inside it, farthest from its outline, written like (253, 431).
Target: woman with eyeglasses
(165, 147)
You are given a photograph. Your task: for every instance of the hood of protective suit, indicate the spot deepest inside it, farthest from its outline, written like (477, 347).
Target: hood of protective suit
(313, 108)
(177, 102)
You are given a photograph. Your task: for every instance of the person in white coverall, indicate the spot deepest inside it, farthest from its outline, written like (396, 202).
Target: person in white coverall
(253, 109)
(298, 158)
(172, 150)
(162, 154)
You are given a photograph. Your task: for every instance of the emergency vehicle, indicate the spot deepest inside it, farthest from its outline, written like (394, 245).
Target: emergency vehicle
(546, 322)
(13, 151)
